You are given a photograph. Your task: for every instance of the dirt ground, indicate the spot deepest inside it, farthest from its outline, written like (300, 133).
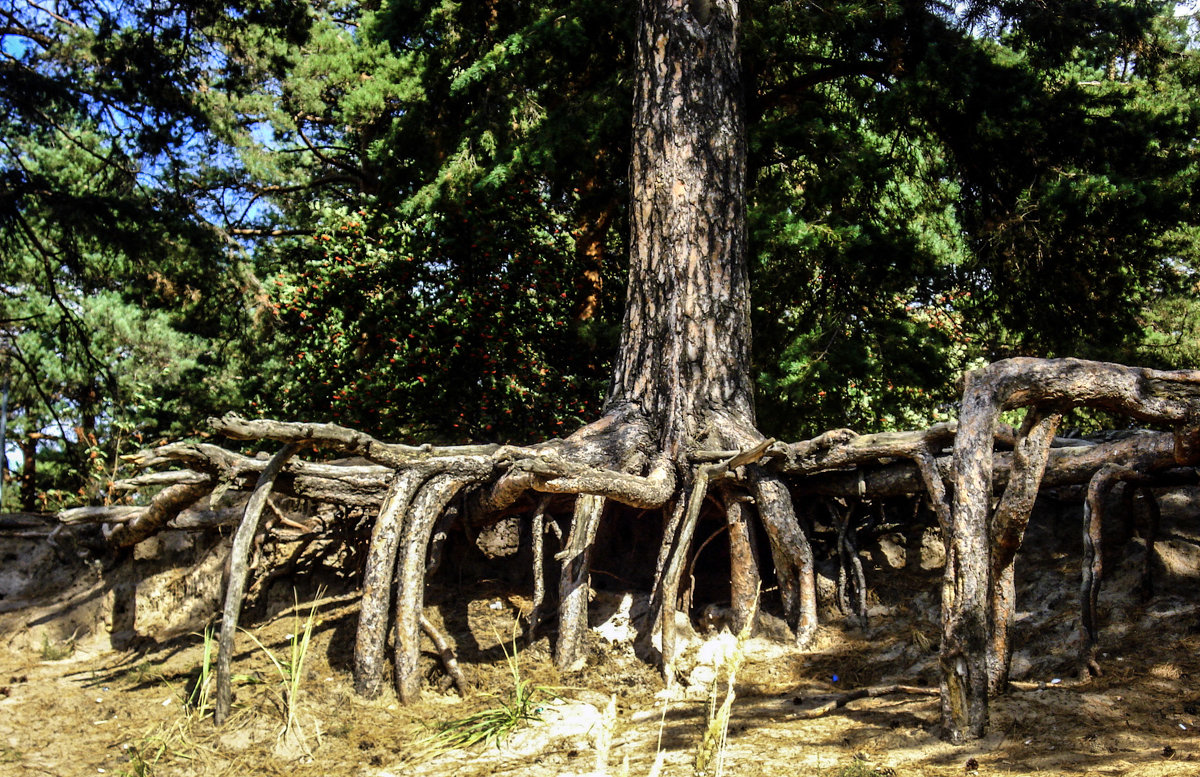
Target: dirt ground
(72, 704)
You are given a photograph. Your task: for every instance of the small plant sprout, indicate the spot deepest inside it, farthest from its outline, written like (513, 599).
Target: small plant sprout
(198, 701)
(57, 651)
(291, 666)
(495, 724)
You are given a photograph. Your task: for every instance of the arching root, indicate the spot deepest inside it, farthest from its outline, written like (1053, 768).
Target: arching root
(371, 638)
(238, 558)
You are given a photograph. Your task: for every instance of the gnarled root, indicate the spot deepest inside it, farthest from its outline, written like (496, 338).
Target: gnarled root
(575, 581)
(237, 571)
(374, 610)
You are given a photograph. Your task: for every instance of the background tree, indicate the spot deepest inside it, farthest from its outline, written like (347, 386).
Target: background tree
(952, 189)
(120, 290)
(466, 168)
(866, 190)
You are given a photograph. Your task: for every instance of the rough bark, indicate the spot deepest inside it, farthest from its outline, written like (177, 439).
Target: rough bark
(1057, 384)
(877, 473)
(237, 572)
(538, 540)
(668, 597)
(684, 359)
(165, 505)
(791, 552)
(1030, 453)
(574, 583)
(745, 580)
(427, 505)
(375, 609)
(1092, 563)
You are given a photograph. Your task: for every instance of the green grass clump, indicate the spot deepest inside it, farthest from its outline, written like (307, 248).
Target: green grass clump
(54, 651)
(520, 705)
(199, 700)
(291, 666)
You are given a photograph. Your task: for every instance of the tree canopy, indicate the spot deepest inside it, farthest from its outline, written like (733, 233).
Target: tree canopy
(412, 217)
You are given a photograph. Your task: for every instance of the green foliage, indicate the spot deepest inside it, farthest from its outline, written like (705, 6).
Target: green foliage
(119, 292)
(492, 726)
(442, 291)
(410, 217)
(935, 190)
(451, 341)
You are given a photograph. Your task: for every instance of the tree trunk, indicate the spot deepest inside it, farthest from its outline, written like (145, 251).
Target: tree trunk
(684, 360)
(29, 475)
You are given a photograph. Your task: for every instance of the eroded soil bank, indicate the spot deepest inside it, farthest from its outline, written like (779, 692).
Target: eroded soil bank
(97, 658)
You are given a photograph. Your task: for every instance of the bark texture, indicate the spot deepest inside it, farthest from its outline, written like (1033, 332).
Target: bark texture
(236, 576)
(685, 349)
(977, 593)
(1030, 453)
(371, 639)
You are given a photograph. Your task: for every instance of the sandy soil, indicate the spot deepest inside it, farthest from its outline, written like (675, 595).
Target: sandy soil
(98, 710)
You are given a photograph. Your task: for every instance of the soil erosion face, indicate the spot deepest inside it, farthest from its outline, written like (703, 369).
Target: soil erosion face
(71, 704)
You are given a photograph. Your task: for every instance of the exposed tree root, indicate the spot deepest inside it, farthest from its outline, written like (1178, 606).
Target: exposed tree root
(237, 572)
(850, 571)
(968, 649)
(615, 460)
(745, 580)
(873, 692)
(1092, 563)
(538, 537)
(574, 582)
(1030, 452)
(410, 594)
(790, 549)
(449, 661)
(371, 639)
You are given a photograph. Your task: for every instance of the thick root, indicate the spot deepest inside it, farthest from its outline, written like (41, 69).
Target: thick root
(410, 596)
(791, 552)
(745, 580)
(538, 537)
(575, 583)
(239, 556)
(371, 639)
(1031, 451)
